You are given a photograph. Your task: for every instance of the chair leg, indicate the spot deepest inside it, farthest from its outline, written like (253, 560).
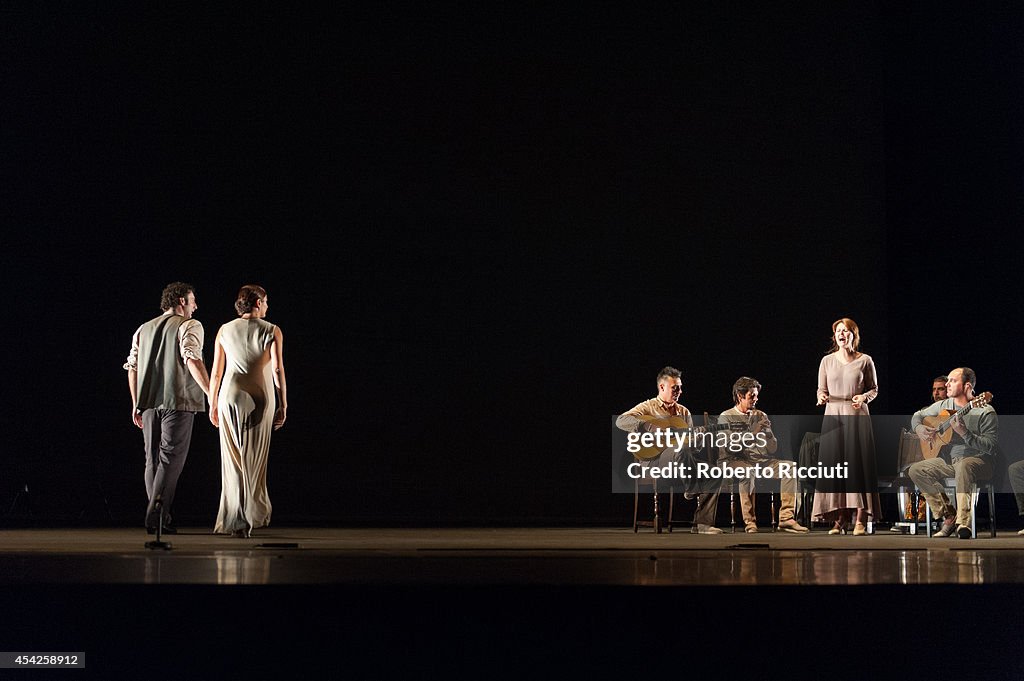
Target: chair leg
(915, 506)
(636, 504)
(771, 510)
(807, 507)
(671, 507)
(732, 508)
(992, 510)
(974, 513)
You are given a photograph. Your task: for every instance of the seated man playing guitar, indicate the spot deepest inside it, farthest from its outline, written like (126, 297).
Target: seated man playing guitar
(905, 498)
(662, 412)
(745, 392)
(971, 446)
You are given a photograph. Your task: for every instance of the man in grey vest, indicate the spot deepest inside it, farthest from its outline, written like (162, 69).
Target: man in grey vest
(169, 384)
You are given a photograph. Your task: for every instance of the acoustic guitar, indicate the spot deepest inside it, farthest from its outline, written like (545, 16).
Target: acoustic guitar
(942, 423)
(677, 424)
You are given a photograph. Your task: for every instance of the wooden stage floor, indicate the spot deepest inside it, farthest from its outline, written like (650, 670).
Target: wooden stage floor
(514, 603)
(524, 556)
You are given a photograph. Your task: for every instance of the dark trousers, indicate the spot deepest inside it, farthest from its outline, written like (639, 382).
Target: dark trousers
(167, 434)
(707, 508)
(707, 490)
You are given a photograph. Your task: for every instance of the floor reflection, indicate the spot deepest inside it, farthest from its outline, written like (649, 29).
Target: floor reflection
(516, 556)
(735, 567)
(825, 568)
(243, 569)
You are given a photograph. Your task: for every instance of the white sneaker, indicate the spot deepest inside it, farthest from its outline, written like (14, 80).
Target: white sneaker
(948, 528)
(707, 529)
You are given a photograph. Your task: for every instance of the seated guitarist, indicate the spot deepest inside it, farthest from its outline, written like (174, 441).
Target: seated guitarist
(745, 392)
(971, 453)
(665, 405)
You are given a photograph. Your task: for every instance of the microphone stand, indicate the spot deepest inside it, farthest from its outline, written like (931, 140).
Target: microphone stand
(159, 543)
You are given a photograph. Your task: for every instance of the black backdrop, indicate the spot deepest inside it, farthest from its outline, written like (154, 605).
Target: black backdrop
(484, 231)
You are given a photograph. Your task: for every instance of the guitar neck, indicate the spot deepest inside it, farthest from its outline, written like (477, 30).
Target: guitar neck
(959, 412)
(715, 427)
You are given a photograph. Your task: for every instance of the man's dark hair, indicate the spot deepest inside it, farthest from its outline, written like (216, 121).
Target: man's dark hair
(742, 386)
(669, 372)
(172, 292)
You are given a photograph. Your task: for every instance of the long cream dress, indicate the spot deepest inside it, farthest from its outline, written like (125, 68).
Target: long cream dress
(246, 406)
(846, 437)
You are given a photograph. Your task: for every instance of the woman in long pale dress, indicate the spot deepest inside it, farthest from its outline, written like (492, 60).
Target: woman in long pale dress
(248, 365)
(846, 384)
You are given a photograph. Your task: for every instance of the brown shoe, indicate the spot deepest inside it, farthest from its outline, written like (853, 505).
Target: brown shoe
(793, 526)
